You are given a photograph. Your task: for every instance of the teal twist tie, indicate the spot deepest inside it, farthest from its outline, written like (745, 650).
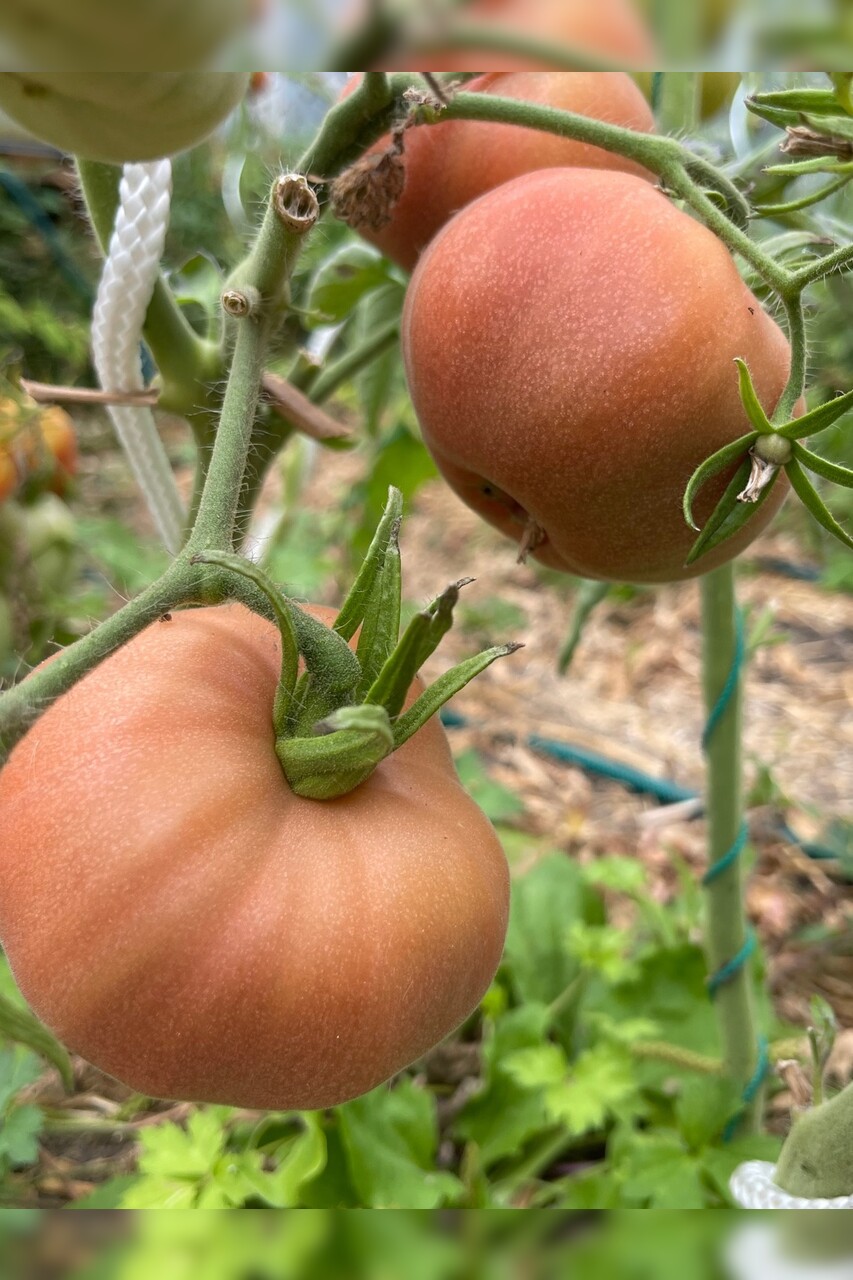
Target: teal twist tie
(728, 689)
(751, 1087)
(729, 858)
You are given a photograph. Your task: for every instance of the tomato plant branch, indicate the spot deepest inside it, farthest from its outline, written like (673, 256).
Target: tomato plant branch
(262, 281)
(263, 278)
(339, 371)
(793, 304)
(726, 932)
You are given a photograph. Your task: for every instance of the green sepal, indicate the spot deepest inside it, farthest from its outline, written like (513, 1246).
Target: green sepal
(816, 102)
(381, 626)
(331, 668)
(729, 515)
(352, 611)
(818, 419)
(23, 1027)
(443, 689)
(335, 722)
(282, 611)
(418, 642)
(345, 749)
(749, 398)
(712, 466)
(832, 471)
(812, 500)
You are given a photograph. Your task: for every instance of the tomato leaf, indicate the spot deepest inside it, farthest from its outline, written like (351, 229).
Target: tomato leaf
(823, 467)
(545, 901)
(390, 1137)
(17, 1069)
(19, 1134)
(712, 466)
(298, 1161)
(344, 279)
(704, 1107)
(811, 499)
(505, 1114)
(820, 418)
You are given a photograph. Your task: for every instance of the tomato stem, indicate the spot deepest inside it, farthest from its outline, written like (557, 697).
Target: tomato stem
(726, 933)
(292, 211)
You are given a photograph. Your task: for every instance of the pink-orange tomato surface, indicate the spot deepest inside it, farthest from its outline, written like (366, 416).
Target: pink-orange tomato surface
(569, 341)
(450, 164)
(181, 919)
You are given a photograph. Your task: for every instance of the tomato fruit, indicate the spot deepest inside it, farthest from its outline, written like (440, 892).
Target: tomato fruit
(450, 164)
(35, 444)
(569, 343)
(180, 918)
(121, 116)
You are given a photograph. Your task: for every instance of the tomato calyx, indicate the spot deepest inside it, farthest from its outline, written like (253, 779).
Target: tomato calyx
(763, 453)
(339, 717)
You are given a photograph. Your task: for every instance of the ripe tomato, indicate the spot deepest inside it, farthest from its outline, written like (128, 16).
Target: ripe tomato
(8, 475)
(569, 343)
(448, 165)
(35, 443)
(183, 920)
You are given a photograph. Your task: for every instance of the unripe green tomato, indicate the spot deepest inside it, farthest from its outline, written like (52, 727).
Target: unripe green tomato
(120, 116)
(135, 34)
(51, 541)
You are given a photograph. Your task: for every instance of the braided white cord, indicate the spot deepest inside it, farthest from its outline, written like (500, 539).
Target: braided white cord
(752, 1186)
(127, 283)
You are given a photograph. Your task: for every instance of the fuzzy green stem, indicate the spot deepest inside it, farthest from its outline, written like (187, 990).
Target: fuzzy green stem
(839, 260)
(676, 1056)
(182, 357)
(339, 371)
(793, 304)
(726, 928)
(291, 212)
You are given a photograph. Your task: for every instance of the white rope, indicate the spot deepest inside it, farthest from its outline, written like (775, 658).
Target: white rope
(752, 1186)
(759, 1250)
(127, 283)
